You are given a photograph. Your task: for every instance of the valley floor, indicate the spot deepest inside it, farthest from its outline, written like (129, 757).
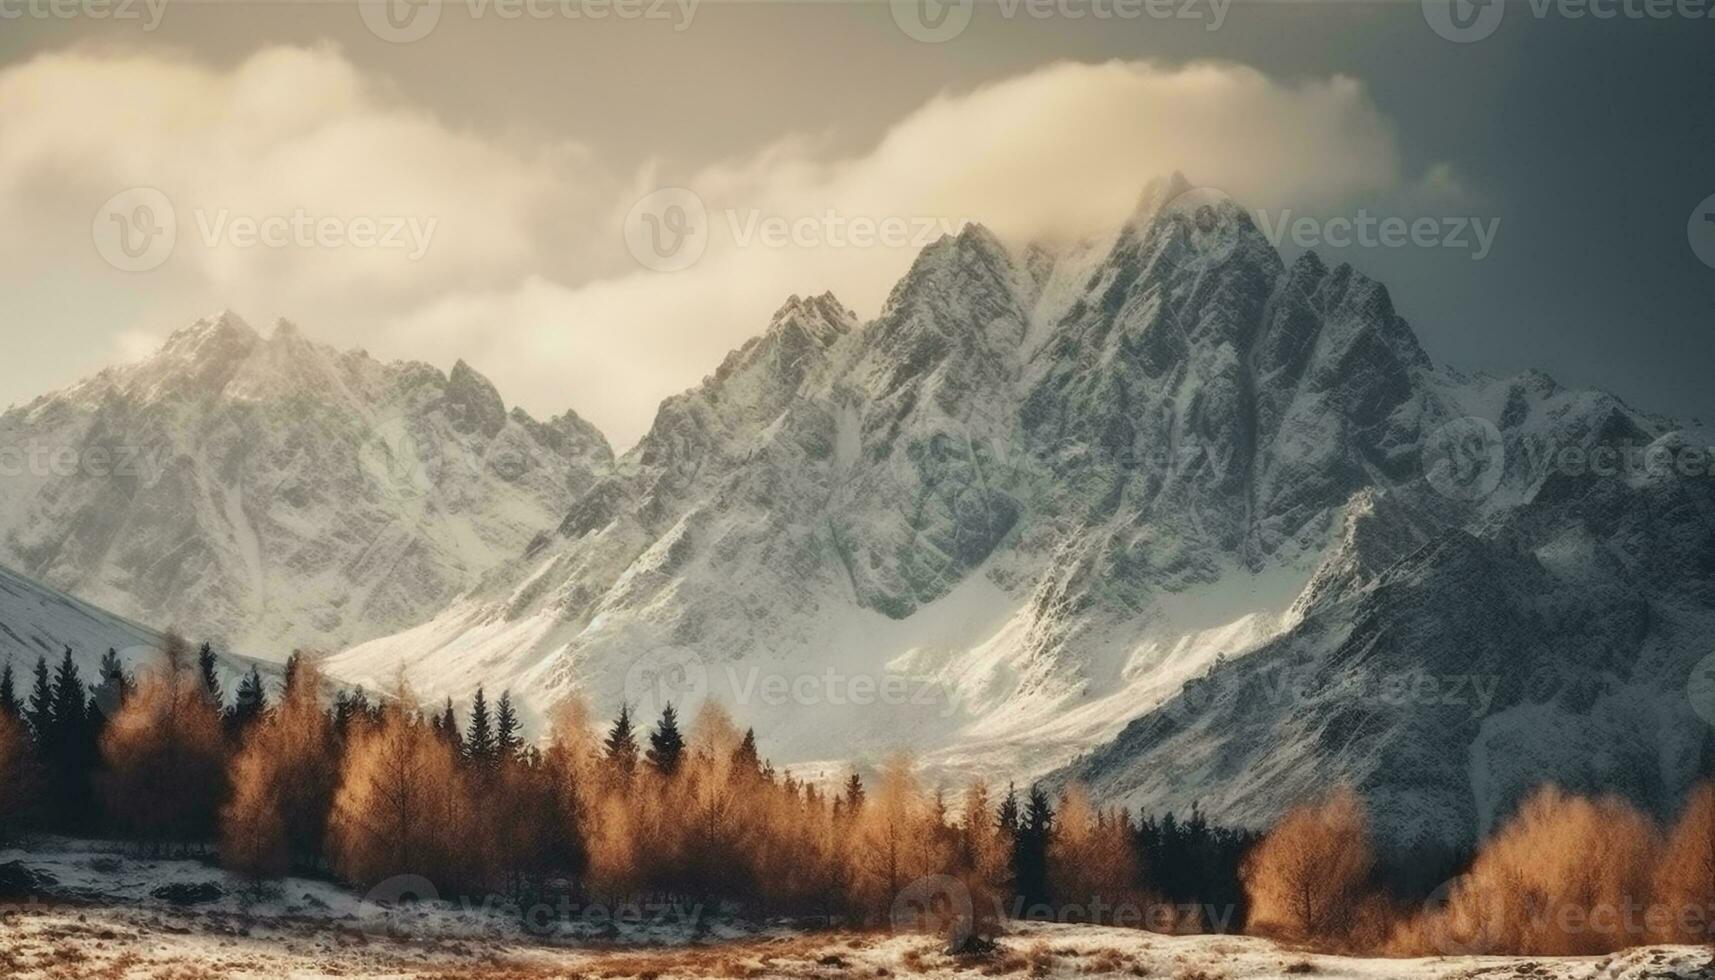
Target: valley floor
(102, 918)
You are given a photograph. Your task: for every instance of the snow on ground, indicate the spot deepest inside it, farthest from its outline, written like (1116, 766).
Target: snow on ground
(101, 919)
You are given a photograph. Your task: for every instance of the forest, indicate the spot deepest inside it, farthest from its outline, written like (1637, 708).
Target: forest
(312, 781)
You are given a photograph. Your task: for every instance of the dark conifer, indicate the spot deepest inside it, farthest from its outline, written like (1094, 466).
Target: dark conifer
(40, 710)
(251, 703)
(746, 764)
(621, 746)
(479, 745)
(854, 795)
(507, 740)
(666, 744)
(210, 677)
(9, 704)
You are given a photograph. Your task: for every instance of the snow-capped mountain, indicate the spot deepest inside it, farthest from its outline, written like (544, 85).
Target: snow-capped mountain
(268, 493)
(39, 622)
(1046, 487)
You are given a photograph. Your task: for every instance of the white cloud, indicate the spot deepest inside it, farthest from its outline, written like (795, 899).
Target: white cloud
(527, 276)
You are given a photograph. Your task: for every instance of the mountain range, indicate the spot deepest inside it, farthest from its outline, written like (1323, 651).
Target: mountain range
(1155, 512)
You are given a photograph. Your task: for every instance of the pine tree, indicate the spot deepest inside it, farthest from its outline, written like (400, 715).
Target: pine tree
(745, 762)
(250, 705)
(479, 745)
(113, 685)
(666, 744)
(507, 741)
(71, 752)
(40, 713)
(1006, 820)
(9, 705)
(1030, 851)
(294, 665)
(621, 746)
(69, 716)
(446, 725)
(351, 709)
(854, 795)
(210, 679)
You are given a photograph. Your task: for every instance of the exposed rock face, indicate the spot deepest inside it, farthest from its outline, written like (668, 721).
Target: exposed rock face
(268, 493)
(1157, 512)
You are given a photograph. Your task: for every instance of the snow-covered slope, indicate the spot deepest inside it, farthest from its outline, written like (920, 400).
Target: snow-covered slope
(37, 621)
(1045, 488)
(269, 493)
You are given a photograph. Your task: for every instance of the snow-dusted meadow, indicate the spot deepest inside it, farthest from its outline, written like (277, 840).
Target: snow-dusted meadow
(101, 911)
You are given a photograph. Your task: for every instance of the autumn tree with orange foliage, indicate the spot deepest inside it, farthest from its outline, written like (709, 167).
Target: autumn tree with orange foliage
(1307, 878)
(403, 806)
(1566, 876)
(283, 782)
(1092, 859)
(165, 753)
(1685, 874)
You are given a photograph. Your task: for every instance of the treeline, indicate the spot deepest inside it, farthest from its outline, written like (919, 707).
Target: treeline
(368, 789)
(1566, 876)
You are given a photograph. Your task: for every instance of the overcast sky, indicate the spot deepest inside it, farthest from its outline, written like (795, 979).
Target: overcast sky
(470, 192)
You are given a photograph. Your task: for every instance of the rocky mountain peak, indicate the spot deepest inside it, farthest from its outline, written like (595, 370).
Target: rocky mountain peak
(223, 337)
(821, 319)
(472, 403)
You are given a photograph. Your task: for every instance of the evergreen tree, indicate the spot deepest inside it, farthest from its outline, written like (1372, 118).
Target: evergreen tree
(9, 705)
(69, 718)
(507, 741)
(210, 679)
(745, 762)
(1006, 820)
(446, 725)
(1030, 851)
(479, 744)
(40, 713)
(854, 795)
(251, 703)
(70, 753)
(112, 684)
(666, 744)
(294, 665)
(621, 746)
(351, 708)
